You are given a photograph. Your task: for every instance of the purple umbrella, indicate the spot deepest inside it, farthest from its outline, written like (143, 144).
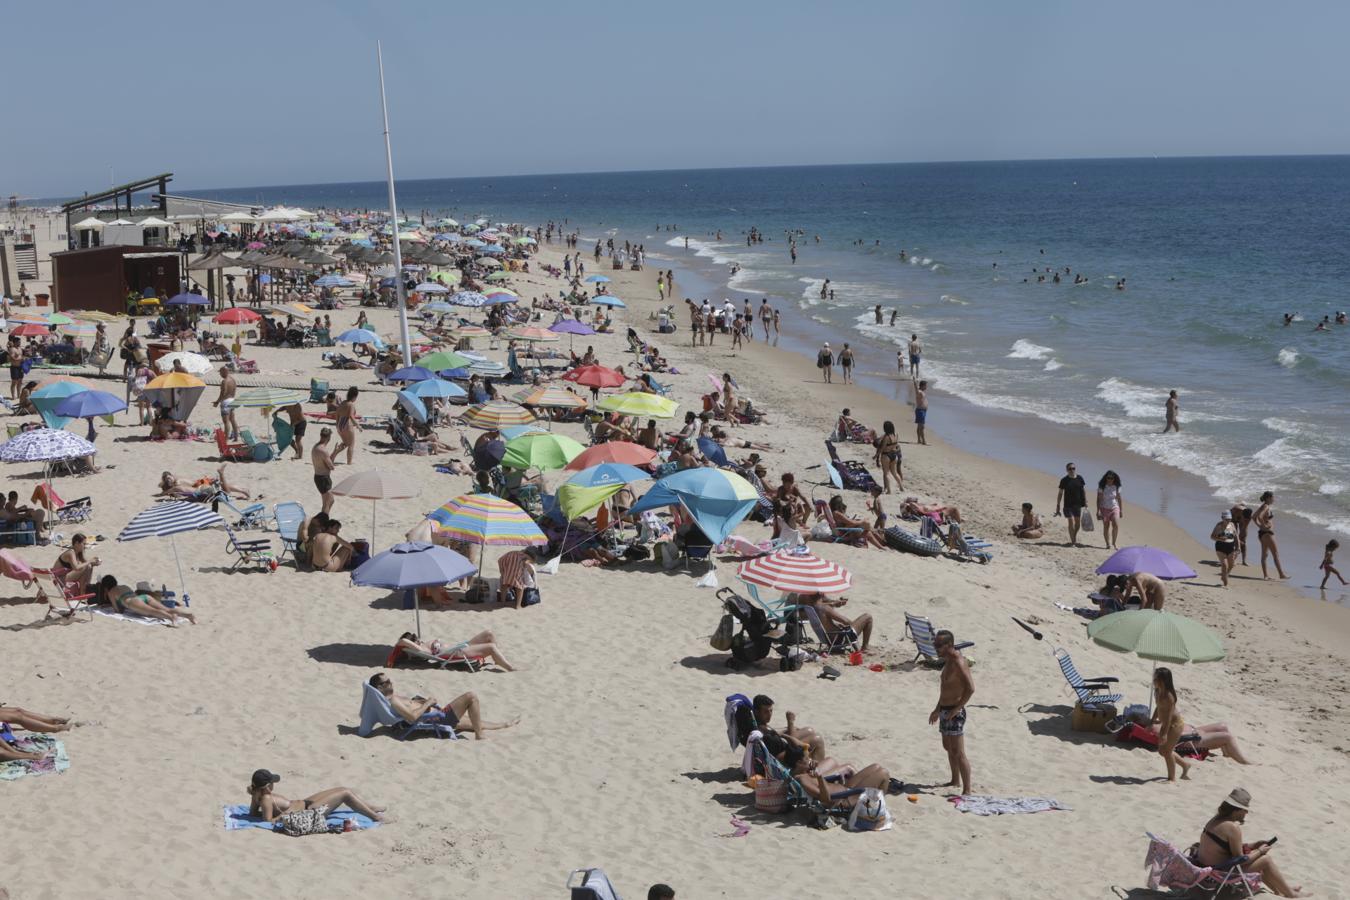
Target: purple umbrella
(412, 565)
(1146, 559)
(570, 327)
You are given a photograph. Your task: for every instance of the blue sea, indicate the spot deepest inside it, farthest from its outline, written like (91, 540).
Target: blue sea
(1213, 253)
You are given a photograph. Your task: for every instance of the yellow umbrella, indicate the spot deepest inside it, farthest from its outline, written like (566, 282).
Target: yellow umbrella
(639, 403)
(175, 380)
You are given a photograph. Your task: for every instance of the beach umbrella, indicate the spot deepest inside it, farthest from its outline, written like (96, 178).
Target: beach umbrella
(712, 450)
(577, 500)
(597, 279)
(45, 445)
(625, 452)
(375, 486)
(268, 397)
(410, 373)
(494, 414)
(413, 404)
(88, 404)
(1145, 559)
(431, 287)
(332, 281)
(360, 336)
(236, 316)
(571, 326)
(497, 276)
(468, 298)
(595, 376)
(94, 315)
(56, 318)
(187, 300)
(610, 301)
(531, 334)
(717, 500)
(49, 395)
(193, 363)
(1157, 635)
(487, 520)
(470, 331)
(438, 306)
(30, 329)
(176, 391)
(487, 262)
(608, 473)
(169, 519)
(79, 329)
(448, 276)
(412, 565)
(175, 381)
(640, 403)
(444, 359)
(796, 573)
(550, 398)
(542, 451)
(436, 388)
(511, 432)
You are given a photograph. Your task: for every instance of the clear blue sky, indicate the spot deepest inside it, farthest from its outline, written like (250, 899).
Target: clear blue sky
(285, 92)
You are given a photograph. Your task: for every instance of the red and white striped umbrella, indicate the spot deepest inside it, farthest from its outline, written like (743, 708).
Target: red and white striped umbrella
(796, 573)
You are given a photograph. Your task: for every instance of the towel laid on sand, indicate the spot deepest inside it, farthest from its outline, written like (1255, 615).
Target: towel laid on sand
(127, 617)
(237, 818)
(982, 805)
(36, 743)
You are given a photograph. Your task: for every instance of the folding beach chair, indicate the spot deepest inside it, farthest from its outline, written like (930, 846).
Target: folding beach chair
(260, 451)
(252, 516)
(67, 595)
(376, 711)
(228, 451)
(289, 517)
(1169, 868)
(854, 474)
(257, 552)
(72, 512)
(955, 540)
(853, 536)
(592, 884)
(318, 390)
(452, 656)
(844, 640)
(922, 632)
(1091, 692)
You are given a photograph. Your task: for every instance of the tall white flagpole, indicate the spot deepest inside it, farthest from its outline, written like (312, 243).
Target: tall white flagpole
(393, 223)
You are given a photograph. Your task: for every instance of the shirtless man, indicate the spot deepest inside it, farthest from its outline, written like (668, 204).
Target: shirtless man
(346, 424)
(757, 717)
(765, 317)
(1151, 591)
(411, 709)
(14, 354)
(1172, 408)
(950, 713)
(323, 469)
(296, 415)
(330, 553)
(15, 512)
(915, 353)
(227, 392)
(920, 406)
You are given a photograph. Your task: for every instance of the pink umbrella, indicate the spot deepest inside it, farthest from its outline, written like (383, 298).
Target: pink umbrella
(255, 245)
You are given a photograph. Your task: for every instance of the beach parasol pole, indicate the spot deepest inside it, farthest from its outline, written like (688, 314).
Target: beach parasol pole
(393, 213)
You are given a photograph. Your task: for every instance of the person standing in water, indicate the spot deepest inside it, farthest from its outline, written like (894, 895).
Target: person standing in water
(1173, 406)
(878, 313)
(1265, 533)
(1328, 565)
(921, 410)
(915, 353)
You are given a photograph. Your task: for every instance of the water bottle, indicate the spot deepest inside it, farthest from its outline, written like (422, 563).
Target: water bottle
(187, 599)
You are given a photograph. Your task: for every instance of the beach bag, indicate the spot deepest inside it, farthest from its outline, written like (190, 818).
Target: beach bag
(771, 795)
(726, 630)
(304, 821)
(870, 813)
(1086, 521)
(531, 597)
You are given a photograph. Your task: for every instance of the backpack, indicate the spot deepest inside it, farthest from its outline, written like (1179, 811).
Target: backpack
(304, 821)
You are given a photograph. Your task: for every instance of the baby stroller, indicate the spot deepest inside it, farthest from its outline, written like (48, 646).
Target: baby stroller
(854, 474)
(752, 641)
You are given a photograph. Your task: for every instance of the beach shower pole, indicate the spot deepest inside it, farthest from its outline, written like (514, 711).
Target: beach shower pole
(393, 217)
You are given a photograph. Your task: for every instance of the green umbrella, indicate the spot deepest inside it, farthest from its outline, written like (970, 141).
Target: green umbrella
(1157, 635)
(57, 318)
(444, 359)
(542, 451)
(498, 276)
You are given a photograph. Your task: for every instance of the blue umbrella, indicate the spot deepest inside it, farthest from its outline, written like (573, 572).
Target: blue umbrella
(501, 299)
(332, 281)
(475, 243)
(47, 398)
(494, 249)
(389, 281)
(608, 473)
(414, 405)
(511, 432)
(435, 388)
(716, 499)
(410, 373)
(187, 300)
(597, 279)
(438, 306)
(609, 300)
(453, 373)
(410, 566)
(264, 279)
(712, 450)
(87, 404)
(359, 336)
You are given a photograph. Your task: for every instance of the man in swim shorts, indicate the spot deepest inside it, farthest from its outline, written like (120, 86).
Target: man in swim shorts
(915, 352)
(957, 687)
(323, 468)
(14, 353)
(921, 410)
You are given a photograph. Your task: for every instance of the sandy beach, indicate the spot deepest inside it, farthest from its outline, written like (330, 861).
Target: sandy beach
(620, 760)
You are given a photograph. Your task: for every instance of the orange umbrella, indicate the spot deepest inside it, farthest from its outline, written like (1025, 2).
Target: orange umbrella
(175, 380)
(612, 452)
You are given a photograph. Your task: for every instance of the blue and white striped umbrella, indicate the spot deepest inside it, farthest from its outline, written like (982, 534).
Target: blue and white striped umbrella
(44, 445)
(174, 517)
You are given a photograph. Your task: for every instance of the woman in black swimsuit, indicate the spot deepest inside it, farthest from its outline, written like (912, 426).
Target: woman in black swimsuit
(1265, 533)
(1221, 840)
(1225, 538)
(888, 457)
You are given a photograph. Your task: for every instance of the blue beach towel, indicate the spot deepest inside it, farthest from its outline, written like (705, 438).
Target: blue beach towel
(237, 818)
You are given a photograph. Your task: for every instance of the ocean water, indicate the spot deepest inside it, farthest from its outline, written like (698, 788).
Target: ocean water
(1213, 252)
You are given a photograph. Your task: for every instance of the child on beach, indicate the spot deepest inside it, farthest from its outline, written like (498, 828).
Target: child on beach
(1328, 564)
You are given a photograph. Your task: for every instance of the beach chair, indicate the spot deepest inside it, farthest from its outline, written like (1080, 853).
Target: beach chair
(256, 552)
(854, 474)
(289, 517)
(402, 438)
(956, 541)
(1091, 692)
(844, 640)
(252, 516)
(922, 632)
(776, 611)
(592, 884)
(696, 546)
(1177, 872)
(259, 451)
(838, 535)
(72, 603)
(376, 711)
(235, 452)
(797, 796)
(318, 390)
(452, 656)
(71, 512)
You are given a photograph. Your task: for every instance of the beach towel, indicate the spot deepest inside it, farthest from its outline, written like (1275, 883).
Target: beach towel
(127, 617)
(13, 769)
(982, 805)
(237, 818)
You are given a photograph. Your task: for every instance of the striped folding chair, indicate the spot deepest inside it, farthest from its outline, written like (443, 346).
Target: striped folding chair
(1091, 692)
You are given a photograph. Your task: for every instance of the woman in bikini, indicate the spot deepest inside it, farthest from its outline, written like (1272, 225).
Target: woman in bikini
(142, 601)
(1265, 533)
(346, 424)
(266, 803)
(74, 567)
(484, 643)
(1221, 840)
(888, 457)
(1169, 722)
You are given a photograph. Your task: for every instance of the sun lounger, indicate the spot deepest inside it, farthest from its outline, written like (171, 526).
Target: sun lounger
(228, 451)
(1091, 692)
(252, 516)
(922, 632)
(376, 711)
(1169, 868)
(592, 884)
(452, 656)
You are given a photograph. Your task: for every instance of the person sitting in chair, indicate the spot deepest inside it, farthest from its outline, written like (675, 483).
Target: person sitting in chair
(842, 520)
(834, 622)
(426, 709)
(756, 717)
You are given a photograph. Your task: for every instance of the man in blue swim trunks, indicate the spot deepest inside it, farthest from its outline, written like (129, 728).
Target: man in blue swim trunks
(915, 352)
(957, 687)
(921, 410)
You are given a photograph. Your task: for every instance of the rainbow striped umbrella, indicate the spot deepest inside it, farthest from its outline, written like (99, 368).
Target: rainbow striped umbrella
(557, 398)
(487, 520)
(495, 414)
(796, 573)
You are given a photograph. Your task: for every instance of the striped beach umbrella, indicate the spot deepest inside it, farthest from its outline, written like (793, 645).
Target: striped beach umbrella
(79, 329)
(796, 573)
(264, 397)
(640, 403)
(29, 329)
(167, 520)
(550, 398)
(532, 334)
(494, 414)
(487, 520)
